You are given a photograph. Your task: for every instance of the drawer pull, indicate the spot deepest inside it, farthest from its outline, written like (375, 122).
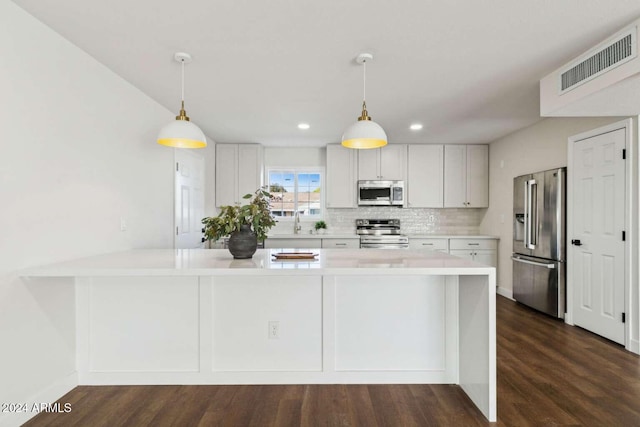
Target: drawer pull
(427, 244)
(341, 244)
(473, 244)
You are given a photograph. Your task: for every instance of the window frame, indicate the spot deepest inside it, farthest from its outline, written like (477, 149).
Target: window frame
(298, 170)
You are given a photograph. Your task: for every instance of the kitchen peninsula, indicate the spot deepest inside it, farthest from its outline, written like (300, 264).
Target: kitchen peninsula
(346, 316)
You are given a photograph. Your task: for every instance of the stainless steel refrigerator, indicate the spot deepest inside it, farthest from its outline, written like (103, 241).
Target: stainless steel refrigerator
(539, 252)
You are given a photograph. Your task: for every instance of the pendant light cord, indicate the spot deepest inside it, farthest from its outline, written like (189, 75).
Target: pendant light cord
(182, 61)
(183, 114)
(364, 81)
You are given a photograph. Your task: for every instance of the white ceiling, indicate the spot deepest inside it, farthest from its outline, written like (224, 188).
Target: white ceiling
(468, 70)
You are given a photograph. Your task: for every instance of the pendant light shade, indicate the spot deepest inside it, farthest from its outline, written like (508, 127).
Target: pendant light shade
(365, 133)
(181, 133)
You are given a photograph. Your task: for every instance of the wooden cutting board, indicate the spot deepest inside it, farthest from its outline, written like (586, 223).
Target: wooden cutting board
(295, 255)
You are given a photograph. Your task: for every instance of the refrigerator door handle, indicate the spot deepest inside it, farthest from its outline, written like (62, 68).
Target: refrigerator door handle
(530, 221)
(526, 215)
(538, 264)
(533, 234)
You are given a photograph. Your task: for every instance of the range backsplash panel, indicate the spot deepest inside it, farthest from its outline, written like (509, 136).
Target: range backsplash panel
(412, 221)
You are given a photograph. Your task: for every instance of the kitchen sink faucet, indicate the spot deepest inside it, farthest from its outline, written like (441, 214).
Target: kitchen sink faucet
(296, 223)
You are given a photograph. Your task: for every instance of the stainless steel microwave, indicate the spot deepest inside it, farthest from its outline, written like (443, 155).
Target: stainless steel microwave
(381, 193)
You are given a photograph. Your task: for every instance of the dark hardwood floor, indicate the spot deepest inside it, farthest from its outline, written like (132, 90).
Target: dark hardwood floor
(549, 374)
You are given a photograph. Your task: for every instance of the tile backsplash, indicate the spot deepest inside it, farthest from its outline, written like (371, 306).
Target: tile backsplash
(412, 220)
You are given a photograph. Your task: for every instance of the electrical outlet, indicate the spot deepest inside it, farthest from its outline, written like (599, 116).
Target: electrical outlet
(274, 329)
(123, 224)
(501, 218)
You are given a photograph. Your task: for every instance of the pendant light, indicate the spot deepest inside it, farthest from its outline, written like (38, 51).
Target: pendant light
(181, 133)
(365, 133)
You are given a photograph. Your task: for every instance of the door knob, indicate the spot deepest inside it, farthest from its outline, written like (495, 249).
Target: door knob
(576, 242)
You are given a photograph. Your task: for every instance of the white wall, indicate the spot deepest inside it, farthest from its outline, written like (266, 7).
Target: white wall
(295, 157)
(78, 154)
(539, 147)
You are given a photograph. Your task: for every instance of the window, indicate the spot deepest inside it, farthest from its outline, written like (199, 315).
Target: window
(296, 190)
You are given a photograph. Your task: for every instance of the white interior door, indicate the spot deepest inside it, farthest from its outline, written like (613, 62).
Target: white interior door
(189, 199)
(597, 261)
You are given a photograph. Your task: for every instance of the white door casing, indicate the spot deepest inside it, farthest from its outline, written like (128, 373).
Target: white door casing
(189, 199)
(597, 211)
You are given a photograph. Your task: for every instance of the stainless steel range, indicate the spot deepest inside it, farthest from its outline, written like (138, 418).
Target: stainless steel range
(381, 234)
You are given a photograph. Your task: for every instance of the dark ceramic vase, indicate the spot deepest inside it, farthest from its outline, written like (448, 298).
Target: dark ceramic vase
(243, 243)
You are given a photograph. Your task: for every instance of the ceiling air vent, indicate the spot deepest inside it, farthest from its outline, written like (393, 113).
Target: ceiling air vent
(590, 65)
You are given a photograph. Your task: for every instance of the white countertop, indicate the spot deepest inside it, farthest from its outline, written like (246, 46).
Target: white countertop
(314, 236)
(356, 236)
(452, 236)
(213, 262)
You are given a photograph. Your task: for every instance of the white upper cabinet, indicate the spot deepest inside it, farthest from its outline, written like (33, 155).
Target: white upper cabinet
(466, 176)
(368, 163)
(388, 163)
(238, 172)
(455, 176)
(477, 176)
(341, 177)
(425, 174)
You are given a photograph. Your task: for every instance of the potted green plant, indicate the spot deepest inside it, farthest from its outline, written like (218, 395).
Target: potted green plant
(320, 227)
(244, 224)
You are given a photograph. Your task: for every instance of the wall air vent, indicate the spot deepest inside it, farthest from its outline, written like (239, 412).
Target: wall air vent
(599, 60)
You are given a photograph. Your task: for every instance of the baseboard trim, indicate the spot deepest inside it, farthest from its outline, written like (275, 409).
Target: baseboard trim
(49, 395)
(634, 346)
(507, 293)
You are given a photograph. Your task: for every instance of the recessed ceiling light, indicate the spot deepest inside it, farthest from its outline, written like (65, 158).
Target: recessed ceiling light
(304, 126)
(415, 126)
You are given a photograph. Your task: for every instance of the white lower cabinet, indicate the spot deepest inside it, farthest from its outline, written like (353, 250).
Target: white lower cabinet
(484, 251)
(438, 245)
(293, 243)
(341, 243)
(313, 243)
(487, 257)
